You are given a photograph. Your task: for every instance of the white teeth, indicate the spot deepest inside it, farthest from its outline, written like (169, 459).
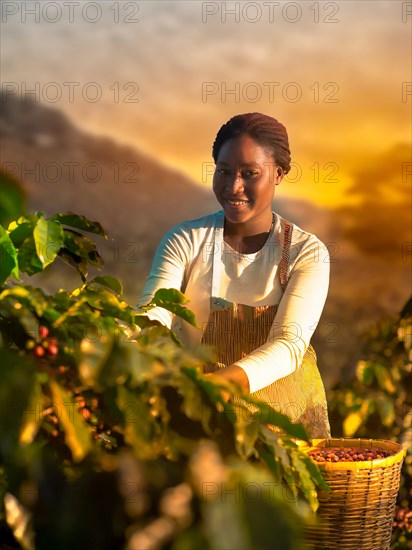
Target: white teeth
(236, 203)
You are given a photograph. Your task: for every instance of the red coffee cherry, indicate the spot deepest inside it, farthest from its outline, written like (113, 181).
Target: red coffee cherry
(52, 350)
(80, 401)
(85, 413)
(43, 332)
(39, 351)
(349, 454)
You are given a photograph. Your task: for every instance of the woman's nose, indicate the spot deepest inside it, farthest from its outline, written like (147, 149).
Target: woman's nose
(235, 182)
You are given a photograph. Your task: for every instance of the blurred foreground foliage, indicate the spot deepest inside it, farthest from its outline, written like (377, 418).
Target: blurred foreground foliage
(377, 403)
(112, 437)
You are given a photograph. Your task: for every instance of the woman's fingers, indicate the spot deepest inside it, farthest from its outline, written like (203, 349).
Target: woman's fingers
(214, 377)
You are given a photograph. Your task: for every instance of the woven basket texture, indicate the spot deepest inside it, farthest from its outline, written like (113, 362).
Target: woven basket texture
(357, 513)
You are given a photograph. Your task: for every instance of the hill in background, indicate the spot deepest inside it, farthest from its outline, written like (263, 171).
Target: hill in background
(137, 199)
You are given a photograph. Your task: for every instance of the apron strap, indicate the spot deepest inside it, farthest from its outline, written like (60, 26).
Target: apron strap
(284, 261)
(216, 256)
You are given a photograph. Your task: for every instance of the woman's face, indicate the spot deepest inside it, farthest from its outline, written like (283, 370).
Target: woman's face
(244, 179)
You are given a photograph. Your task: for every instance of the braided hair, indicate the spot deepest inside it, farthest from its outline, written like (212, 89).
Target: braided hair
(267, 131)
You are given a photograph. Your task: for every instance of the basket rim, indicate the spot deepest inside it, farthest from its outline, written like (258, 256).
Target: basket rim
(398, 448)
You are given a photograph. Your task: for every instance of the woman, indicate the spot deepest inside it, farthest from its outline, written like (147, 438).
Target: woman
(256, 282)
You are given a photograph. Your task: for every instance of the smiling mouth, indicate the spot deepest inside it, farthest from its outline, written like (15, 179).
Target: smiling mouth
(236, 203)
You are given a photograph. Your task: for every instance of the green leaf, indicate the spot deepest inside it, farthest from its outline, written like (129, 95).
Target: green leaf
(352, 423)
(189, 539)
(217, 392)
(358, 416)
(274, 518)
(245, 507)
(305, 481)
(18, 519)
(93, 356)
(17, 377)
(404, 332)
(32, 418)
(8, 257)
(20, 230)
(143, 321)
(246, 437)
(79, 222)
(126, 362)
(30, 219)
(48, 239)
(314, 472)
(193, 405)
(268, 415)
(110, 304)
(274, 443)
(384, 378)
(12, 199)
(140, 431)
(169, 295)
(28, 295)
(18, 320)
(59, 302)
(62, 299)
(172, 300)
(141, 366)
(224, 521)
(82, 246)
(386, 409)
(78, 436)
(27, 257)
(364, 372)
(109, 282)
(267, 455)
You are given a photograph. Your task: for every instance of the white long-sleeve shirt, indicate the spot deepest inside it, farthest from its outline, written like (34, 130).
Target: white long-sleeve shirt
(184, 259)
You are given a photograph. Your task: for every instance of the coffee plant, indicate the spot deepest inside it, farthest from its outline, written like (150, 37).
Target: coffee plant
(112, 437)
(377, 403)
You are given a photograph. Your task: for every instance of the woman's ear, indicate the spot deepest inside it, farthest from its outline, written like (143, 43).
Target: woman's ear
(279, 175)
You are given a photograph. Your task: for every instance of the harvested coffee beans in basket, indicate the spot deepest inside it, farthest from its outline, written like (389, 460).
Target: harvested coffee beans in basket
(348, 454)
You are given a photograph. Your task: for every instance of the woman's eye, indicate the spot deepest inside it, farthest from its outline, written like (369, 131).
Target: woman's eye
(247, 174)
(251, 173)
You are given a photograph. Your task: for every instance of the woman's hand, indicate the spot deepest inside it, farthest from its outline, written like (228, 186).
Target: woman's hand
(225, 394)
(233, 373)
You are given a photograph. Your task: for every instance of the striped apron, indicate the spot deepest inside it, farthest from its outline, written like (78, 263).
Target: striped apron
(236, 330)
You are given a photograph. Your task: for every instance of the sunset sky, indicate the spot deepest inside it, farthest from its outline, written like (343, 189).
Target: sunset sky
(335, 73)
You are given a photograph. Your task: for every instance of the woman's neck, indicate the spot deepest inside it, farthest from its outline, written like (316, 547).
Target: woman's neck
(247, 238)
(249, 228)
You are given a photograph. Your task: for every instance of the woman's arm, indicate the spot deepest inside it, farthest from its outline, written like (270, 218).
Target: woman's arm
(295, 321)
(167, 271)
(233, 373)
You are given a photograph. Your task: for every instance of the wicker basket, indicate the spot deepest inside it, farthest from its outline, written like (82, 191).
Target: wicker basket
(357, 513)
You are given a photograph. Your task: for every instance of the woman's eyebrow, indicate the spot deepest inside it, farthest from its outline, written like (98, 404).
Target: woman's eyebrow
(221, 162)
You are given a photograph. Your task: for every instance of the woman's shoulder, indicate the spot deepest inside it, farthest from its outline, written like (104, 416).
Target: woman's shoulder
(205, 222)
(199, 225)
(304, 246)
(190, 235)
(298, 235)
